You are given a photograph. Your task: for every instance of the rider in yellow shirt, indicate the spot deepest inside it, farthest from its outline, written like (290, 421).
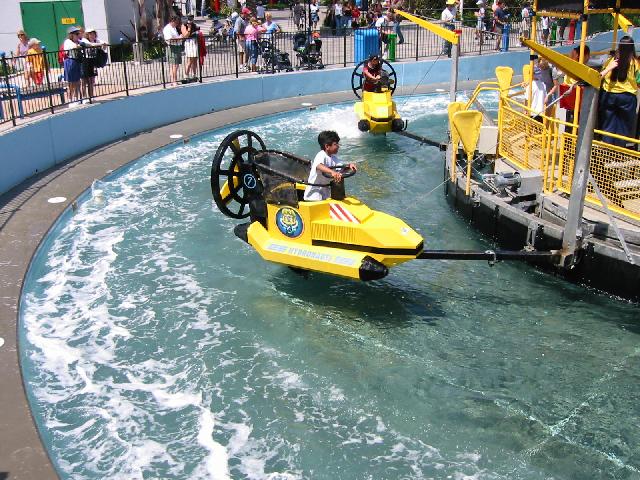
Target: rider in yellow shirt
(618, 101)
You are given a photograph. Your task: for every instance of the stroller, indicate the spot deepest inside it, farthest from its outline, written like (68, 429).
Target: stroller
(308, 54)
(274, 59)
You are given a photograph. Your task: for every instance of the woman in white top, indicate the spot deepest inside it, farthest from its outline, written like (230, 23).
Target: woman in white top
(337, 12)
(21, 52)
(190, 32)
(314, 13)
(73, 57)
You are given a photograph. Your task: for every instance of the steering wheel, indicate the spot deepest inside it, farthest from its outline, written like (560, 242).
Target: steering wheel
(232, 172)
(357, 77)
(343, 170)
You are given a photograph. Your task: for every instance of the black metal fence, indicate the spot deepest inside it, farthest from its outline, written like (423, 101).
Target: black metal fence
(35, 83)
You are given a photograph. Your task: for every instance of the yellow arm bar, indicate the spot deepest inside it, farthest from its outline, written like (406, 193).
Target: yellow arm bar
(443, 33)
(623, 22)
(564, 63)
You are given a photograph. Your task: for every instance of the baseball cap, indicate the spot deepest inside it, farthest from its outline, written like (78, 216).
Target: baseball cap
(480, 2)
(72, 29)
(246, 11)
(33, 41)
(234, 14)
(90, 29)
(451, 2)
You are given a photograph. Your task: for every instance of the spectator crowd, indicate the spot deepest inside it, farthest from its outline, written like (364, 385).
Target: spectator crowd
(82, 53)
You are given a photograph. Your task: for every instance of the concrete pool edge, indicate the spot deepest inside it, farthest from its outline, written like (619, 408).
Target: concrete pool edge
(31, 217)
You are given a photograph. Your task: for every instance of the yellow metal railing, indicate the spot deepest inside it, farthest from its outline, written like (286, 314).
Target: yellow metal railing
(550, 146)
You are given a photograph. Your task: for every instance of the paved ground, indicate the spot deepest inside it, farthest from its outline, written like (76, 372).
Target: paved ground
(26, 217)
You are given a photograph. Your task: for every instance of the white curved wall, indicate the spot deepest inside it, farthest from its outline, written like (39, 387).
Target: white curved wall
(42, 144)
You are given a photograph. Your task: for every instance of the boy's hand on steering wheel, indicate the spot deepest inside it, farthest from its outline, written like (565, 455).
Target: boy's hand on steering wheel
(337, 176)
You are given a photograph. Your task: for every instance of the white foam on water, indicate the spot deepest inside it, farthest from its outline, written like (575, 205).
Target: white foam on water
(309, 124)
(217, 461)
(415, 108)
(336, 394)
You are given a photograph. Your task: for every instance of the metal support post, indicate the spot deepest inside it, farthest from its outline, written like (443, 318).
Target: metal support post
(454, 71)
(48, 79)
(124, 69)
(162, 58)
(588, 120)
(5, 68)
(199, 57)
(344, 47)
(235, 55)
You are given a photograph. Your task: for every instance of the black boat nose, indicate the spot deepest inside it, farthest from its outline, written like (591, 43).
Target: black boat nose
(371, 269)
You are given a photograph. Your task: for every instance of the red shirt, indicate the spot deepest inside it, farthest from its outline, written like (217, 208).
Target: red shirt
(368, 85)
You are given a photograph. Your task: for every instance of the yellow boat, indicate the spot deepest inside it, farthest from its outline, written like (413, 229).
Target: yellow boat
(377, 112)
(339, 236)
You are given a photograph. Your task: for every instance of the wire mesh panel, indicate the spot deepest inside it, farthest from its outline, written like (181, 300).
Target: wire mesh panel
(522, 138)
(530, 144)
(615, 170)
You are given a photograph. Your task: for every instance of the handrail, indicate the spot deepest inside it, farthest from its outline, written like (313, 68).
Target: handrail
(481, 87)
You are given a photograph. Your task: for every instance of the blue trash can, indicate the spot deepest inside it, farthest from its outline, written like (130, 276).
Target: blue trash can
(505, 37)
(366, 42)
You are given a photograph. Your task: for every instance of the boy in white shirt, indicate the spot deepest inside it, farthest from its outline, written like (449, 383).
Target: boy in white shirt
(327, 157)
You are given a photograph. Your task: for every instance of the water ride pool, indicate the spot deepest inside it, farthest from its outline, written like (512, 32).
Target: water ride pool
(155, 344)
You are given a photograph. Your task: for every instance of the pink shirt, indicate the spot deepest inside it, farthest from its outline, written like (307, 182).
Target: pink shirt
(252, 33)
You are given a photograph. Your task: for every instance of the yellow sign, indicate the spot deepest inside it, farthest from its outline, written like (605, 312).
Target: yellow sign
(68, 21)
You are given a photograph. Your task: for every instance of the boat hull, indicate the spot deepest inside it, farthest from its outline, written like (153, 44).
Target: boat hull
(601, 264)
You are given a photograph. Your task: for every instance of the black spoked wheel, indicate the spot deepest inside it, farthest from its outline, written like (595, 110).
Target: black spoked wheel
(357, 77)
(232, 175)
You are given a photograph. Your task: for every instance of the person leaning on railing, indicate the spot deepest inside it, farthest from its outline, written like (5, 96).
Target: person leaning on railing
(174, 41)
(72, 64)
(618, 101)
(89, 64)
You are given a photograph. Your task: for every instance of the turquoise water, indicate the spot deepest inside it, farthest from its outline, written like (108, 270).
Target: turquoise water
(157, 345)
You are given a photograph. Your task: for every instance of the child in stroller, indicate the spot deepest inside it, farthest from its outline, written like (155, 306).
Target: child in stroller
(308, 54)
(274, 59)
(219, 31)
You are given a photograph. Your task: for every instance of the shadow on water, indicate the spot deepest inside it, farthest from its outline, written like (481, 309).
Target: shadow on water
(384, 304)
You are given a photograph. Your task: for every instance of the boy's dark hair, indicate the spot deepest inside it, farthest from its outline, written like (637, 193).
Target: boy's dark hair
(327, 137)
(587, 50)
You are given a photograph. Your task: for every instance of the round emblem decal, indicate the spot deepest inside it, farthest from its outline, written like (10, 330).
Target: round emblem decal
(249, 181)
(289, 222)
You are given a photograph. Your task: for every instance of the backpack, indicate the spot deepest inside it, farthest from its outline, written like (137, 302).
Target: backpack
(101, 58)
